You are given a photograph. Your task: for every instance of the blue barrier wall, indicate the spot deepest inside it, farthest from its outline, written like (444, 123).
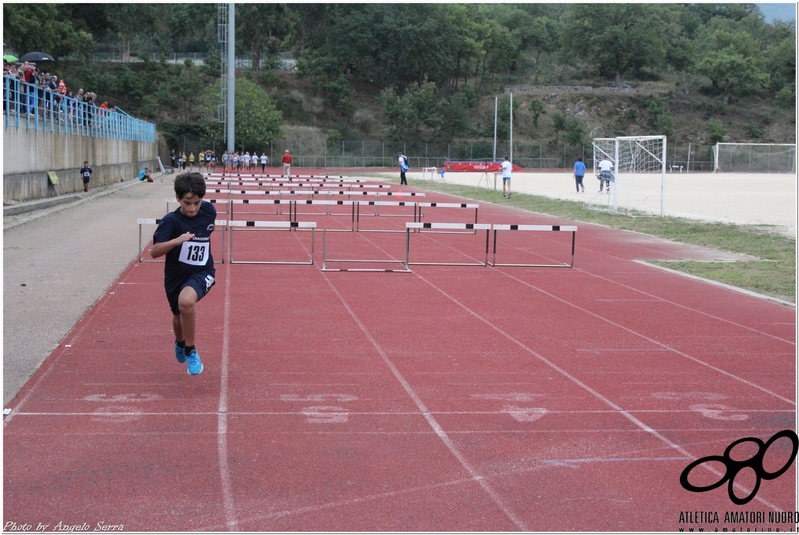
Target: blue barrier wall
(44, 131)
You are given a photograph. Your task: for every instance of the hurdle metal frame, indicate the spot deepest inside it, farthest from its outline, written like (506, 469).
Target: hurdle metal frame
(328, 211)
(151, 221)
(278, 203)
(326, 260)
(377, 205)
(447, 226)
(447, 205)
(275, 225)
(535, 228)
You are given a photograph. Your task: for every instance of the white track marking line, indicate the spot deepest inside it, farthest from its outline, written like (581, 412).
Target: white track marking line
(475, 475)
(659, 344)
(222, 447)
(584, 386)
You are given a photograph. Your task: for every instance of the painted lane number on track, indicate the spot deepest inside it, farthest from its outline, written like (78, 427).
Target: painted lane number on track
(713, 411)
(113, 413)
(520, 414)
(323, 414)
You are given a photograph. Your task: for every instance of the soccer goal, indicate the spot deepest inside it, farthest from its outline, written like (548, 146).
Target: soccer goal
(638, 166)
(754, 158)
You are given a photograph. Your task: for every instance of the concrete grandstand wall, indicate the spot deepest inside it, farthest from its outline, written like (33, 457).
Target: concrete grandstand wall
(29, 154)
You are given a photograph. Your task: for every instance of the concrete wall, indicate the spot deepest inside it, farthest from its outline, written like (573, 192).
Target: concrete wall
(29, 154)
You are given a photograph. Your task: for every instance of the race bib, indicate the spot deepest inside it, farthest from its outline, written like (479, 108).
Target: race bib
(194, 253)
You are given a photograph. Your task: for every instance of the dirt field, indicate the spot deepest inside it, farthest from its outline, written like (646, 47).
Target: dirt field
(752, 199)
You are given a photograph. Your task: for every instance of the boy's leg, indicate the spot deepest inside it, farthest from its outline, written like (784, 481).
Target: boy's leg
(184, 323)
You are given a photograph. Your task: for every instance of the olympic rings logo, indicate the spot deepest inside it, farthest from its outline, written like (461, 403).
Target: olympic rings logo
(733, 467)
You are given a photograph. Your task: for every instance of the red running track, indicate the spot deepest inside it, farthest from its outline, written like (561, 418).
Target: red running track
(447, 399)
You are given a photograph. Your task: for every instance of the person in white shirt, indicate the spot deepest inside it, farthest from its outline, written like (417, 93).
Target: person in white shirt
(605, 174)
(507, 170)
(264, 159)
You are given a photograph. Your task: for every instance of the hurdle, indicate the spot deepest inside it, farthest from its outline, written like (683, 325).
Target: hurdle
(377, 205)
(328, 210)
(276, 202)
(447, 226)
(275, 225)
(144, 221)
(422, 205)
(326, 260)
(535, 228)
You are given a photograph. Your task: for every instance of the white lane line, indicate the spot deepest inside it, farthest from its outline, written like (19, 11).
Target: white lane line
(222, 447)
(606, 401)
(475, 475)
(657, 343)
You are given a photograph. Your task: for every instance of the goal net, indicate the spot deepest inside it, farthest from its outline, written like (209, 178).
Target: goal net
(638, 165)
(754, 158)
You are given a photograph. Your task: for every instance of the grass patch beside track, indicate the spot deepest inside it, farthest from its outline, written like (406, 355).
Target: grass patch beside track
(774, 274)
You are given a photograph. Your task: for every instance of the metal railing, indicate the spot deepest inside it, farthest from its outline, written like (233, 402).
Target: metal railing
(38, 108)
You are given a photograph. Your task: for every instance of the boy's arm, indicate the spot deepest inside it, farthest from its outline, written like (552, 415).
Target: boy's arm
(162, 248)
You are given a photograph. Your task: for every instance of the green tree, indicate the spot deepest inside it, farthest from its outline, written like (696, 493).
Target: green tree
(42, 28)
(257, 119)
(731, 58)
(537, 108)
(716, 131)
(620, 38)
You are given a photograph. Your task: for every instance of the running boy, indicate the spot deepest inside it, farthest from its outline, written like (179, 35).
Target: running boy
(86, 175)
(184, 236)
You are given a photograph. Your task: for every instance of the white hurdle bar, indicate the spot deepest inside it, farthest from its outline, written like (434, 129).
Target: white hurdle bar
(446, 226)
(445, 205)
(326, 260)
(328, 203)
(144, 221)
(276, 202)
(377, 205)
(535, 228)
(275, 225)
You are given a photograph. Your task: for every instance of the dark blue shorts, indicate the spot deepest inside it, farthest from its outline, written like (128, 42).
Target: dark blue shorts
(201, 282)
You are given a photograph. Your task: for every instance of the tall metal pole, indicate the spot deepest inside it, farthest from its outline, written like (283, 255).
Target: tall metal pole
(231, 78)
(510, 151)
(495, 128)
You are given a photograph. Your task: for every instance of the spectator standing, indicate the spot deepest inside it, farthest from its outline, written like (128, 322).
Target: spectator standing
(403, 165)
(507, 171)
(172, 157)
(264, 159)
(191, 161)
(86, 174)
(286, 161)
(605, 174)
(579, 173)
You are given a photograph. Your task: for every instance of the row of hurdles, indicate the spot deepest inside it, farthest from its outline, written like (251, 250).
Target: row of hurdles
(328, 187)
(410, 228)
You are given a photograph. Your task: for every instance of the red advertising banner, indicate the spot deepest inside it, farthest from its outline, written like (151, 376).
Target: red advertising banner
(477, 167)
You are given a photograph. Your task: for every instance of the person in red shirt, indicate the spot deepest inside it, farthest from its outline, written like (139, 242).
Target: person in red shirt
(286, 164)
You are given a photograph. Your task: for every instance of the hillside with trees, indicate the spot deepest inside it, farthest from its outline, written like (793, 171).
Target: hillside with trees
(698, 73)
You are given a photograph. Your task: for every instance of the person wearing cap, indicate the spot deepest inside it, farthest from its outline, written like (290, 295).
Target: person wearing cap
(286, 160)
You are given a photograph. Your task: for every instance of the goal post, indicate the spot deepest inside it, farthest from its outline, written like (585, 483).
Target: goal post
(639, 169)
(754, 158)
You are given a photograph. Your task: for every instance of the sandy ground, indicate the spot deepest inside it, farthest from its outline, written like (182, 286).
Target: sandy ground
(752, 199)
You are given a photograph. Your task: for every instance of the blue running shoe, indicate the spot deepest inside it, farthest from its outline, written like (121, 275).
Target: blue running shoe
(195, 365)
(180, 354)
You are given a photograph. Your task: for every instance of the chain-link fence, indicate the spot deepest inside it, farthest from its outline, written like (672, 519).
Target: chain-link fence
(314, 151)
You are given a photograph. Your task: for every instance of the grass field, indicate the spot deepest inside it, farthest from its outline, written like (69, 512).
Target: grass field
(772, 274)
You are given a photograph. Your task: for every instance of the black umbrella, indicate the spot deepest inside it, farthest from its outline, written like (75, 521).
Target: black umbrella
(36, 56)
